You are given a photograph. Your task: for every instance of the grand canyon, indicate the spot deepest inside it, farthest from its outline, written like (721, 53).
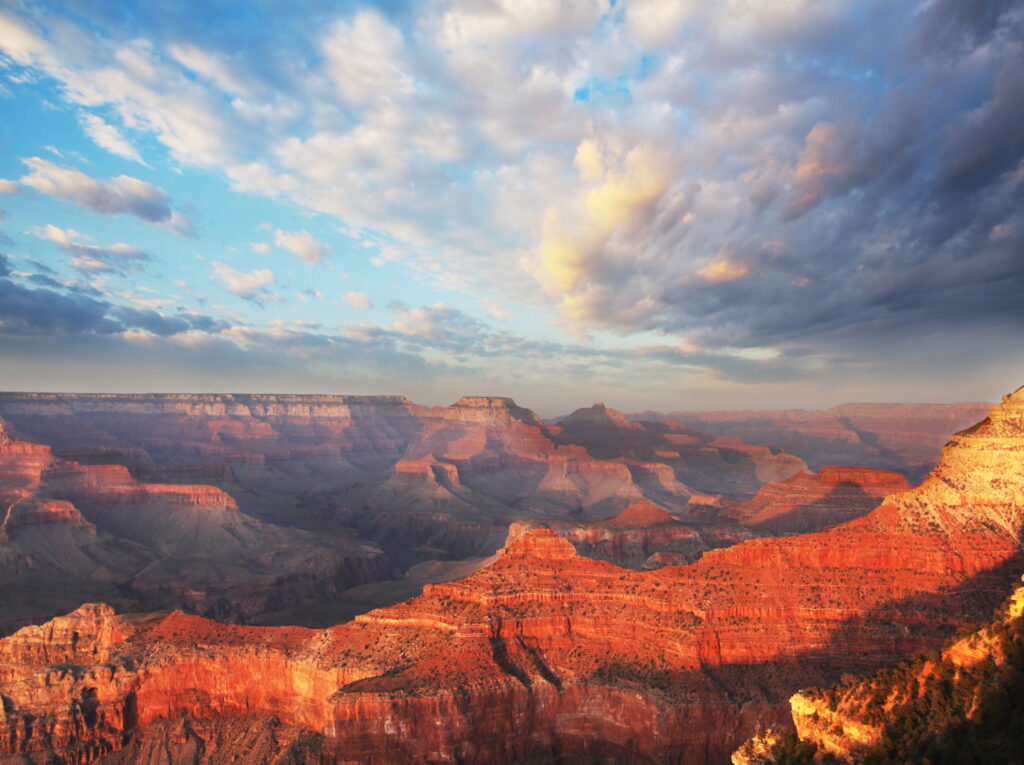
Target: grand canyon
(571, 590)
(502, 382)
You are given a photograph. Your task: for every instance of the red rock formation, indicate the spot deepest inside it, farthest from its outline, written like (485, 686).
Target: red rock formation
(643, 536)
(963, 702)
(640, 515)
(808, 502)
(547, 654)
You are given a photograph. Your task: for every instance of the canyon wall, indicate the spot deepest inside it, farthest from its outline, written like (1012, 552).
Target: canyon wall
(903, 437)
(547, 655)
(241, 506)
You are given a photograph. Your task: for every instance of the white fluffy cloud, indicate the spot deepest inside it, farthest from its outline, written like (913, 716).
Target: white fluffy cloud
(118, 257)
(250, 285)
(302, 244)
(365, 58)
(122, 194)
(108, 137)
(359, 300)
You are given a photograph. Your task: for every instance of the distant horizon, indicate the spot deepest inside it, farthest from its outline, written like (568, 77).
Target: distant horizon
(540, 412)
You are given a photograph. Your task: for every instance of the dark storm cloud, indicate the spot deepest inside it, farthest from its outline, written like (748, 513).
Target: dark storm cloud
(82, 310)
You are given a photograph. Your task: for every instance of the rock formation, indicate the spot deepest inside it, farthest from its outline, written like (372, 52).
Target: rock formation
(962, 704)
(362, 474)
(548, 655)
(903, 437)
(808, 502)
(643, 536)
(702, 462)
(71, 532)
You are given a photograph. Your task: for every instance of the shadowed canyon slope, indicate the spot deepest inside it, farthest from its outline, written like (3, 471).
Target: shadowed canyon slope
(963, 704)
(903, 437)
(75, 532)
(208, 502)
(545, 654)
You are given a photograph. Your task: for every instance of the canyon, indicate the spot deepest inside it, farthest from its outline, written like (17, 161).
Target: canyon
(541, 654)
(282, 508)
(903, 437)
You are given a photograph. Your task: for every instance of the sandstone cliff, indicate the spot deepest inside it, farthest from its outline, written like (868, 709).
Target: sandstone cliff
(961, 704)
(643, 536)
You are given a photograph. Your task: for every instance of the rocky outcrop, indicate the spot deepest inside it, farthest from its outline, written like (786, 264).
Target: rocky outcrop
(643, 536)
(699, 461)
(808, 502)
(903, 437)
(962, 703)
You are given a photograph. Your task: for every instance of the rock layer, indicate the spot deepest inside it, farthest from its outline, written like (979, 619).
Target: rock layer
(71, 532)
(903, 437)
(808, 502)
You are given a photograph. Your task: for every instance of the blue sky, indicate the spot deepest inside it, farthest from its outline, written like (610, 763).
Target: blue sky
(658, 204)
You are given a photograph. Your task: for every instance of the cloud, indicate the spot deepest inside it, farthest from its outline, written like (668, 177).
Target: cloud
(122, 194)
(581, 254)
(108, 137)
(497, 310)
(120, 257)
(359, 300)
(248, 285)
(858, 162)
(48, 311)
(434, 322)
(722, 270)
(302, 244)
(8, 187)
(261, 247)
(151, 321)
(365, 57)
(212, 67)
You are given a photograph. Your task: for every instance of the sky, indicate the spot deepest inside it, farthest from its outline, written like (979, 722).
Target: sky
(661, 205)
